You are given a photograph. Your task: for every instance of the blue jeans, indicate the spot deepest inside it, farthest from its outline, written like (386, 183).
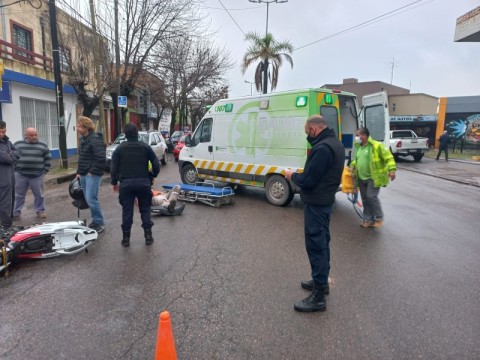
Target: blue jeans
(22, 183)
(91, 186)
(317, 240)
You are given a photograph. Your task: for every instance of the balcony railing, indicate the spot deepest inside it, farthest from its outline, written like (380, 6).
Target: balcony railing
(12, 51)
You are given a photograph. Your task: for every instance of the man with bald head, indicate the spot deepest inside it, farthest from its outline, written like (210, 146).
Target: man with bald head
(318, 184)
(30, 169)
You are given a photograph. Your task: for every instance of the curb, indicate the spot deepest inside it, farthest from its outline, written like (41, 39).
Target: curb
(473, 162)
(61, 179)
(55, 180)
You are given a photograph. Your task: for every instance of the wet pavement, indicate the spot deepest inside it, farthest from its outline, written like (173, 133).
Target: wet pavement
(230, 276)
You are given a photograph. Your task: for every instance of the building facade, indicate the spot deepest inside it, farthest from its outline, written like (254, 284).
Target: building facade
(367, 87)
(460, 116)
(417, 112)
(28, 94)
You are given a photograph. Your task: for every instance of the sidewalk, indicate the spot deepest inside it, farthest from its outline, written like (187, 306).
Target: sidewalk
(458, 170)
(57, 175)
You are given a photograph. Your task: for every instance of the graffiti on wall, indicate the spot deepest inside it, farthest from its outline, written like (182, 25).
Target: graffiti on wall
(467, 128)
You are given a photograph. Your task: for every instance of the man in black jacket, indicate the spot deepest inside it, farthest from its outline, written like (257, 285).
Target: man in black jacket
(130, 167)
(444, 140)
(91, 163)
(318, 183)
(9, 155)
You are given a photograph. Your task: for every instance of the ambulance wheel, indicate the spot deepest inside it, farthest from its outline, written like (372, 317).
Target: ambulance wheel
(189, 174)
(278, 191)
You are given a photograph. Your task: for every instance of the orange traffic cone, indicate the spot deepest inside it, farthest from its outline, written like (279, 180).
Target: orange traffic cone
(165, 349)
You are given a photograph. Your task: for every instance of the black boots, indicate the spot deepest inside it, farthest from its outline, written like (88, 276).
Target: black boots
(308, 285)
(126, 239)
(148, 237)
(315, 302)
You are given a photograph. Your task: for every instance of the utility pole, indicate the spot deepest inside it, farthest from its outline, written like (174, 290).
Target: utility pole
(393, 67)
(118, 115)
(96, 61)
(62, 137)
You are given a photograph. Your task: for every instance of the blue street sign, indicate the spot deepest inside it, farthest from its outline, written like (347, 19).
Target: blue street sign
(122, 101)
(5, 94)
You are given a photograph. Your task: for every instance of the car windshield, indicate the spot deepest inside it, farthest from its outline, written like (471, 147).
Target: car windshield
(177, 134)
(121, 138)
(401, 134)
(143, 137)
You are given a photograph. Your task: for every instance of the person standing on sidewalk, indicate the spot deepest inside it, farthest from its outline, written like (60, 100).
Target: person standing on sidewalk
(373, 165)
(130, 167)
(91, 163)
(30, 169)
(9, 155)
(444, 141)
(318, 183)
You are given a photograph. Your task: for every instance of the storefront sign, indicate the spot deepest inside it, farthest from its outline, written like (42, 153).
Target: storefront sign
(413, 118)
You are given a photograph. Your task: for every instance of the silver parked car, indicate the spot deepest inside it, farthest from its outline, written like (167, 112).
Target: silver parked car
(152, 138)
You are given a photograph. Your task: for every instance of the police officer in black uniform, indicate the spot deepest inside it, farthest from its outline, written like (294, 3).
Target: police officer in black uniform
(130, 167)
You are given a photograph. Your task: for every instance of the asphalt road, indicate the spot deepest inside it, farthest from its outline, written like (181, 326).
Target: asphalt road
(230, 276)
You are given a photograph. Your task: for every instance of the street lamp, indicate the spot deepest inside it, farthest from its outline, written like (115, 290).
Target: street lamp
(265, 62)
(251, 83)
(268, 2)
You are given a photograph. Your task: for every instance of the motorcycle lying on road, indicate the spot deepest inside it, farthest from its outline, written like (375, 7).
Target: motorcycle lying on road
(45, 241)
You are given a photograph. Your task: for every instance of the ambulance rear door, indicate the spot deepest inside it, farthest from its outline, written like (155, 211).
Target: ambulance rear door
(376, 117)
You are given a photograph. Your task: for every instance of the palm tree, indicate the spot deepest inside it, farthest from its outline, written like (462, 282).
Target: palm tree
(267, 50)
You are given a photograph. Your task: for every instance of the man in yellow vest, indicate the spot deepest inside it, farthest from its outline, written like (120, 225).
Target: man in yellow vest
(374, 165)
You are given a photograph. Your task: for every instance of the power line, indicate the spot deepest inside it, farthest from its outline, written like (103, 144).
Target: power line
(19, 1)
(220, 1)
(249, 8)
(365, 23)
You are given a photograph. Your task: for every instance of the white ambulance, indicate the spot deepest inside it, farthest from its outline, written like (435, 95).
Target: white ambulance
(251, 140)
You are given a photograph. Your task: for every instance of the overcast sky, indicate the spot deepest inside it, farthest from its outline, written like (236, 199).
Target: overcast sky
(419, 40)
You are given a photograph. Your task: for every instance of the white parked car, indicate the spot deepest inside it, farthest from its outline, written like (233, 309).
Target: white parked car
(152, 138)
(406, 143)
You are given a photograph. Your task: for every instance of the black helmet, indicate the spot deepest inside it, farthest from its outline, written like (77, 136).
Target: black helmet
(75, 189)
(76, 193)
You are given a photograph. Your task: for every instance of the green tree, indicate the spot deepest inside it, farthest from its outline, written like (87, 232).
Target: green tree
(266, 50)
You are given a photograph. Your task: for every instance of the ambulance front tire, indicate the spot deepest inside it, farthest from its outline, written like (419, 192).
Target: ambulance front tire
(278, 191)
(189, 175)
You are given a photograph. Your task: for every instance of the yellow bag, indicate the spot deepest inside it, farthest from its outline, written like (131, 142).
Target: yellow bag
(348, 182)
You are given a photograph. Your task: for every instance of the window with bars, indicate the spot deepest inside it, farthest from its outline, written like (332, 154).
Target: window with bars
(22, 38)
(42, 115)
(65, 59)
